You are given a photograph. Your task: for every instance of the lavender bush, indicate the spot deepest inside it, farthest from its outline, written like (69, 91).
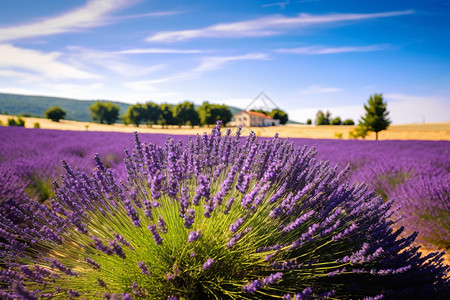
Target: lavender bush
(217, 218)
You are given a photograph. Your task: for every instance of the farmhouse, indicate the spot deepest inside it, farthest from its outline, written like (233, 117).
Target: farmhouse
(254, 119)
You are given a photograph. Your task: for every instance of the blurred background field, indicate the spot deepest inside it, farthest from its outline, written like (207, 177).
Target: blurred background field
(424, 131)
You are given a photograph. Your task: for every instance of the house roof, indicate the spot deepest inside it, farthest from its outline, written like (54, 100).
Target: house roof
(256, 114)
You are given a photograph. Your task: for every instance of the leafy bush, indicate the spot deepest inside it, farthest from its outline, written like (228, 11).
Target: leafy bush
(19, 122)
(36, 125)
(348, 122)
(55, 113)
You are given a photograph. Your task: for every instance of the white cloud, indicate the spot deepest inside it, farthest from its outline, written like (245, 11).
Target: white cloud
(207, 64)
(17, 60)
(282, 5)
(266, 26)
(317, 89)
(159, 51)
(93, 14)
(216, 62)
(313, 50)
(109, 60)
(405, 108)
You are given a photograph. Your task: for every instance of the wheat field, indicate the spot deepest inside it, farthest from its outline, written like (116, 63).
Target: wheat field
(426, 131)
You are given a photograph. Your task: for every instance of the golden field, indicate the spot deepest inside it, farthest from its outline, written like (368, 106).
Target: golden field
(426, 131)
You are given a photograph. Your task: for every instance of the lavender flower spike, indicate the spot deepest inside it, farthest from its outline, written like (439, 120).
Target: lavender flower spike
(208, 264)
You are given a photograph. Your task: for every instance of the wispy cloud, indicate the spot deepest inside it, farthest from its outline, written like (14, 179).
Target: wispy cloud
(160, 51)
(14, 61)
(318, 89)
(317, 50)
(152, 14)
(94, 13)
(109, 60)
(282, 5)
(206, 64)
(216, 62)
(267, 26)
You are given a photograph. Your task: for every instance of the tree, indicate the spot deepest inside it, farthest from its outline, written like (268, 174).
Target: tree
(309, 122)
(211, 113)
(55, 113)
(166, 117)
(152, 113)
(204, 113)
(322, 118)
(279, 115)
(348, 122)
(376, 117)
(220, 112)
(135, 114)
(336, 121)
(104, 112)
(360, 131)
(185, 113)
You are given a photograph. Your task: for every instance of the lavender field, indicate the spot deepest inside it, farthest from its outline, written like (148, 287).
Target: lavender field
(414, 175)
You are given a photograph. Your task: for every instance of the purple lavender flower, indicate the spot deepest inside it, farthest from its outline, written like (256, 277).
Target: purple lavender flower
(235, 226)
(194, 235)
(144, 268)
(156, 237)
(208, 264)
(251, 287)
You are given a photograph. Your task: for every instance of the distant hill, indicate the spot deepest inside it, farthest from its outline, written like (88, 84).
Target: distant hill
(77, 110)
(36, 106)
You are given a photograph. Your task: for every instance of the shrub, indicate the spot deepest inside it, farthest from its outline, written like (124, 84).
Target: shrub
(36, 125)
(348, 122)
(218, 218)
(19, 122)
(55, 113)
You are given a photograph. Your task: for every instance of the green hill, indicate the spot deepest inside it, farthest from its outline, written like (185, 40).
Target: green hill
(77, 110)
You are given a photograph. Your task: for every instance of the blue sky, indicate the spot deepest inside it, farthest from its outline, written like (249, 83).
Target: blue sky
(305, 55)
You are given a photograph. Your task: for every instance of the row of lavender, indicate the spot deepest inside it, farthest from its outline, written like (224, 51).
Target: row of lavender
(215, 217)
(414, 173)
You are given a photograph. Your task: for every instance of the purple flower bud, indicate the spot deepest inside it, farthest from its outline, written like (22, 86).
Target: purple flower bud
(194, 235)
(156, 237)
(208, 264)
(144, 268)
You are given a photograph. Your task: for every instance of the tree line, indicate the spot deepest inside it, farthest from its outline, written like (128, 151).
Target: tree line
(180, 114)
(375, 118)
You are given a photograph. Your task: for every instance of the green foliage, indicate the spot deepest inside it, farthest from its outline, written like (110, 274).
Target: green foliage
(336, 121)
(338, 135)
(39, 188)
(376, 117)
(152, 113)
(19, 122)
(309, 122)
(104, 112)
(185, 113)
(322, 118)
(135, 114)
(37, 105)
(36, 125)
(166, 117)
(55, 113)
(211, 113)
(348, 122)
(261, 111)
(278, 114)
(360, 131)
